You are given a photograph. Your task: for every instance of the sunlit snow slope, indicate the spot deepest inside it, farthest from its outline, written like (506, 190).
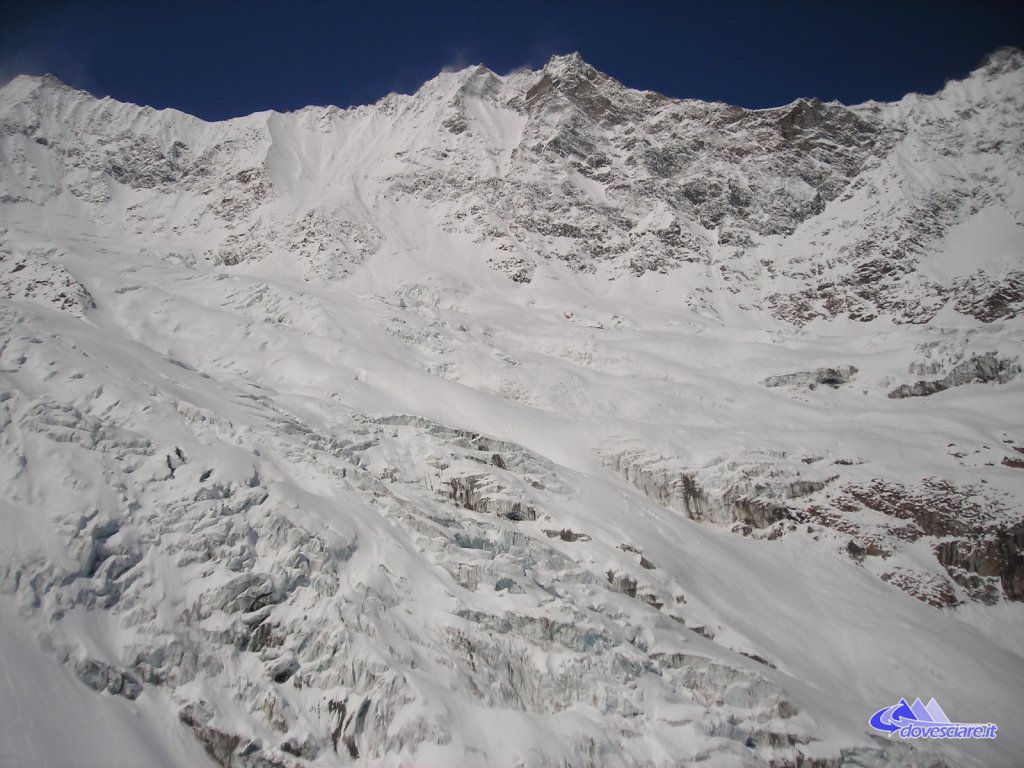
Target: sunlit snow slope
(525, 420)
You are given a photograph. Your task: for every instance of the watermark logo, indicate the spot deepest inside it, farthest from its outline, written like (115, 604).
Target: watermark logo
(917, 721)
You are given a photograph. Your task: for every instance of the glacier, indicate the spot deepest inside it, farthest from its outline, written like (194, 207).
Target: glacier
(524, 420)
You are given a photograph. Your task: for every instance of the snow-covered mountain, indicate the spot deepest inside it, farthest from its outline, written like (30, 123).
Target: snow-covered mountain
(525, 420)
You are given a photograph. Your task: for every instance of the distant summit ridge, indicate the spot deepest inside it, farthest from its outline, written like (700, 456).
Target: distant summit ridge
(804, 212)
(1007, 58)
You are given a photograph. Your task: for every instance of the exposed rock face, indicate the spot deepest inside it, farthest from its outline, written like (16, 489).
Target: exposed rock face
(997, 554)
(103, 677)
(482, 494)
(830, 377)
(244, 594)
(39, 277)
(976, 537)
(980, 369)
(233, 751)
(751, 490)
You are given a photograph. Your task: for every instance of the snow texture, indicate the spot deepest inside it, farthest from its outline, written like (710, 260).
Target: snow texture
(525, 420)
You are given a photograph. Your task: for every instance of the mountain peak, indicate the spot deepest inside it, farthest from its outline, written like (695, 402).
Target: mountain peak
(571, 63)
(1007, 58)
(47, 80)
(24, 86)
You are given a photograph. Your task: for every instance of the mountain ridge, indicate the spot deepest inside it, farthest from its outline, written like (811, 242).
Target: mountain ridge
(721, 209)
(1002, 59)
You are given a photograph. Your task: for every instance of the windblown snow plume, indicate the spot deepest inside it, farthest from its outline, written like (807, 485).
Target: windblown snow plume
(525, 420)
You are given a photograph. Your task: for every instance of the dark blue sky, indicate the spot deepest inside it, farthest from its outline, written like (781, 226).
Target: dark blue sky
(223, 59)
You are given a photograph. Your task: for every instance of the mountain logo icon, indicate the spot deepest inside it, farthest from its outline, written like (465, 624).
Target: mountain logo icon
(920, 721)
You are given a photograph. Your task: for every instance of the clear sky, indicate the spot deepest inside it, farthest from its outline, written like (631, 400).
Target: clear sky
(224, 59)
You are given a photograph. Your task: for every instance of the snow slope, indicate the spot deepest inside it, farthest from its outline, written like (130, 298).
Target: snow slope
(524, 420)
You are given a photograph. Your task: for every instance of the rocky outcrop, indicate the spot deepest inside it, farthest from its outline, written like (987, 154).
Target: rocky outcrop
(988, 368)
(231, 750)
(104, 678)
(829, 377)
(566, 534)
(244, 594)
(998, 554)
(482, 493)
(219, 744)
(975, 535)
(38, 276)
(750, 490)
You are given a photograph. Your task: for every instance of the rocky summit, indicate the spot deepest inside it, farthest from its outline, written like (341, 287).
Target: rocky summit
(524, 420)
